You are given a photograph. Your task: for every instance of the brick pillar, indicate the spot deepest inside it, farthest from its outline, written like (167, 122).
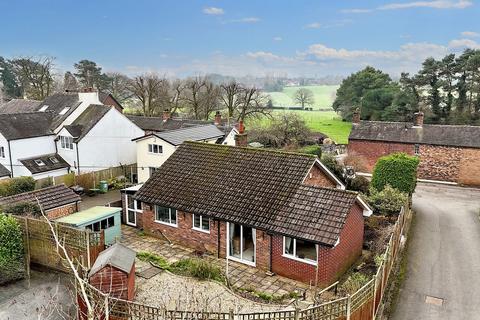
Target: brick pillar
(166, 115)
(241, 138)
(356, 116)
(218, 118)
(418, 119)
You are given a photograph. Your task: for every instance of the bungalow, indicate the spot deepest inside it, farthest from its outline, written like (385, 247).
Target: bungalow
(56, 201)
(155, 148)
(448, 153)
(280, 212)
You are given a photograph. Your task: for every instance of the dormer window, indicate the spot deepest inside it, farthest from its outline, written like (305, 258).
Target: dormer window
(43, 108)
(39, 162)
(64, 110)
(66, 142)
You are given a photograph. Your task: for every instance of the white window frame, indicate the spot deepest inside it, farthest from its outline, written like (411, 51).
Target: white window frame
(66, 143)
(241, 260)
(2, 152)
(64, 110)
(416, 149)
(170, 217)
(151, 148)
(294, 257)
(43, 108)
(39, 162)
(201, 223)
(136, 209)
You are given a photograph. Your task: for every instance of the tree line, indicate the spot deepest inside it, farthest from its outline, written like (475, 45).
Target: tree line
(446, 90)
(198, 97)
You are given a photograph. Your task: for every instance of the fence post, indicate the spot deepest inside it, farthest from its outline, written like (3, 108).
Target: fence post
(88, 248)
(297, 312)
(107, 311)
(230, 314)
(349, 302)
(27, 247)
(374, 295)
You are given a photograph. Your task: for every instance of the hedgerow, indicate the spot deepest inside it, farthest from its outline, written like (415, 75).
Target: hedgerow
(11, 250)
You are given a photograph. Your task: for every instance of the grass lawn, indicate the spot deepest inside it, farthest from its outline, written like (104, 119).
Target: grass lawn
(324, 96)
(327, 122)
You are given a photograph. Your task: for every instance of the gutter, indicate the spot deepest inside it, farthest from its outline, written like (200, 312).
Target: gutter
(10, 156)
(78, 160)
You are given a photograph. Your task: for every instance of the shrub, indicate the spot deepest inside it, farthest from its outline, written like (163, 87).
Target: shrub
(85, 180)
(17, 185)
(332, 164)
(399, 170)
(359, 183)
(23, 208)
(157, 260)
(387, 202)
(354, 282)
(314, 149)
(198, 268)
(11, 250)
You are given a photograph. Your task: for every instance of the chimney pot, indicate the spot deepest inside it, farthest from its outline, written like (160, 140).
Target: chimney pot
(418, 119)
(166, 115)
(356, 116)
(218, 118)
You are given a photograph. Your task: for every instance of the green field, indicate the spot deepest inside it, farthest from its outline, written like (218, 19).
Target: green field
(324, 96)
(326, 122)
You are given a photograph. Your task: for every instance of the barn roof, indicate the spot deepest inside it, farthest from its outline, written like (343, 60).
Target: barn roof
(118, 256)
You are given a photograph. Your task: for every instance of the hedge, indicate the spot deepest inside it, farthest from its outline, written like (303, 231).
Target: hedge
(16, 185)
(387, 202)
(398, 170)
(12, 263)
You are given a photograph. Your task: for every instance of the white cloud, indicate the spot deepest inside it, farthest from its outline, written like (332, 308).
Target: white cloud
(313, 25)
(470, 34)
(246, 20)
(463, 43)
(213, 11)
(277, 39)
(436, 4)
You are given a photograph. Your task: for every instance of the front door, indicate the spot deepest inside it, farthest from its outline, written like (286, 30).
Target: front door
(241, 243)
(132, 209)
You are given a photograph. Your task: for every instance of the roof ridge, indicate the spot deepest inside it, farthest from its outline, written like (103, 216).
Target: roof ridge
(425, 124)
(214, 145)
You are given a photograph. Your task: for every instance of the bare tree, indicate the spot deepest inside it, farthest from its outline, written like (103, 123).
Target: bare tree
(193, 95)
(152, 92)
(70, 82)
(35, 75)
(118, 86)
(304, 97)
(230, 96)
(177, 87)
(252, 103)
(210, 99)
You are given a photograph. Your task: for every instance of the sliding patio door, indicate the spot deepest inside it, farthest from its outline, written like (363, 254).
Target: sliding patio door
(241, 243)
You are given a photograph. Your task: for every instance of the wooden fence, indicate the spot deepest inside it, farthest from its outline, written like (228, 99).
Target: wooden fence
(364, 304)
(90, 180)
(83, 246)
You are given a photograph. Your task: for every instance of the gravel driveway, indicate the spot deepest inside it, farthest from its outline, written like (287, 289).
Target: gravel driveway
(443, 277)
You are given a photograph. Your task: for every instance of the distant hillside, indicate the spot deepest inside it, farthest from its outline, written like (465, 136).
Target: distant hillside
(324, 96)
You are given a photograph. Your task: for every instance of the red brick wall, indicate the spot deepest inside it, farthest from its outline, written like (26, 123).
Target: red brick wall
(439, 163)
(372, 150)
(111, 102)
(316, 177)
(332, 262)
(469, 168)
(183, 233)
(62, 211)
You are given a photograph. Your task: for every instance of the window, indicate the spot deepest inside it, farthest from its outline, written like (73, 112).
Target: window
(53, 160)
(300, 250)
(43, 108)
(201, 223)
(39, 162)
(2, 152)
(96, 226)
(155, 148)
(166, 215)
(103, 224)
(66, 142)
(417, 149)
(110, 222)
(64, 110)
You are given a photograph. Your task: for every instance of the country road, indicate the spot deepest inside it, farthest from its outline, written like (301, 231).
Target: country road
(443, 278)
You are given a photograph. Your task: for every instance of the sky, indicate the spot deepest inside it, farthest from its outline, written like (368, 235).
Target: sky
(296, 38)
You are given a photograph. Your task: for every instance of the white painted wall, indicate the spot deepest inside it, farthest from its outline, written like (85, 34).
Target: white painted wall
(230, 138)
(86, 98)
(6, 160)
(28, 148)
(109, 143)
(53, 173)
(69, 155)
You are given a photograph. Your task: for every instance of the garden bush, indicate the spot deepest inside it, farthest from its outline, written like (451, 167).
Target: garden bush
(359, 183)
(387, 202)
(399, 170)
(23, 208)
(17, 185)
(12, 265)
(332, 164)
(354, 282)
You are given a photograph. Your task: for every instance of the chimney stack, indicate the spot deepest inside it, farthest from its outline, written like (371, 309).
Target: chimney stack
(418, 119)
(166, 115)
(218, 118)
(356, 116)
(241, 137)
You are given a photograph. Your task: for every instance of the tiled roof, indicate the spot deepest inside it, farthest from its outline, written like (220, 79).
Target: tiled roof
(49, 165)
(4, 171)
(199, 133)
(156, 124)
(19, 106)
(25, 125)
(49, 197)
(255, 187)
(87, 120)
(445, 135)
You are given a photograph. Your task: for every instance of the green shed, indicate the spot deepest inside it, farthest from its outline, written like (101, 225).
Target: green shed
(96, 219)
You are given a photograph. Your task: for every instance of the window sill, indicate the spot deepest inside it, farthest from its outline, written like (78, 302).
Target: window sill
(201, 230)
(156, 154)
(310, 262)
(167, 223)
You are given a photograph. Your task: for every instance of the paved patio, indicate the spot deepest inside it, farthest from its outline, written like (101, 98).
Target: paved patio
(241, 275)
(100, 199)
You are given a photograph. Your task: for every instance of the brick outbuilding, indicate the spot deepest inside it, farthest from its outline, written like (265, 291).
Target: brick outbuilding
(449, 153)
(280, 212)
